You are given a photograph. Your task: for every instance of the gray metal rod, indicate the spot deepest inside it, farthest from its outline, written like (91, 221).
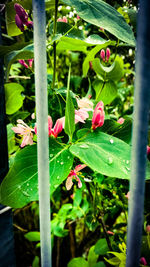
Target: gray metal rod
(39, 21)
(139, 137)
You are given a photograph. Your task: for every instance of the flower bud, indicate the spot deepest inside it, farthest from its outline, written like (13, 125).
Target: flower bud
(121, 120)
(98, 116)
(21, 13)
(29, 24)
(30, 61)
(90, 65)
(22, 62)
(102, 54)
(107, 54)
(148, 228)
(143, 261)
(19, 23)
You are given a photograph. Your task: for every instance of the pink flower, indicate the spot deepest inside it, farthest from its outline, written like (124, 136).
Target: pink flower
(24, 130)
(101, 29)
(128, 195)
(22, 62)
(98, 115)
(19, 23)
(110, 233)
(81, 115)
(143, 261)
(148, 228)
(73, 175)
(148, 150)
(30, 61)
(64, 19)
(102, 54)
(59, 125)
(78, 17)
(107, 54)
(121, 120)
(85, 103)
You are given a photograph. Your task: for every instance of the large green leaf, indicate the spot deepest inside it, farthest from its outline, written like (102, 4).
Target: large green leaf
(76, 262)
(5, 49)
(105, 91)
(101, 247)
(114, 72)
(92, 257)
(20, 186)
(101, 14)
(91, 55)
(104, 153)
(25, 53)
(13, 97)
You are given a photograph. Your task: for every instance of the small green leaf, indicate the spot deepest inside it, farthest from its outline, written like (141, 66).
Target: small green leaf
(13, 97)
(76, 262)
(105, 91)
(69, 113)
(92, 257)
(100, 264)
(101, 247)
(113, 261)
(33, 236)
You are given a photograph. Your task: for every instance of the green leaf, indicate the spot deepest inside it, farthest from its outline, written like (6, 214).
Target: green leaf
(103, 15)
(101, 247)
(121, 256)
(13, 97)
(25, 53)
(5, 49)
(100, 264)
(113, 261)
(33, 236)
(91, 55)
(105, 91)
(104, 153)
(69, 113)
(92, 257)
(114, 72)
(49, 4)
(76, 262)
(20, 186)
(36, 262)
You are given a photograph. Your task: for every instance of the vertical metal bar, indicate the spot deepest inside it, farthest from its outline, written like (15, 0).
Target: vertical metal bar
(39, 21)
(139, 138)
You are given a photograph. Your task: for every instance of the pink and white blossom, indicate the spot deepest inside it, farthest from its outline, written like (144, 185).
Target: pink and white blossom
(85, 103)
(98, 115)
(121, 120)
(74, 175)
(64, 19)
(24, 130)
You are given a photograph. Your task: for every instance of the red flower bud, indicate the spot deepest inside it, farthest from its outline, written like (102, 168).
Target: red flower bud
(22, 62)
(19, 23)
(102, 54)
(107, 54)
(21, 13)
(98, 116)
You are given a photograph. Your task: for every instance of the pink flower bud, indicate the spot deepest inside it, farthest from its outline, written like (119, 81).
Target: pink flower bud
(102, 54)
(19, 23)
(22, 62)
(143, 261)
(121, 120)
(78, 17)
(107, 54)
(98, 115)
(101, 29)
(58, 127)
(148, 150)
(148, 228)
(21, 13)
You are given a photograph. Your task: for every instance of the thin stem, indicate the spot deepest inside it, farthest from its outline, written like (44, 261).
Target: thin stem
(54, 44)
(39, 21)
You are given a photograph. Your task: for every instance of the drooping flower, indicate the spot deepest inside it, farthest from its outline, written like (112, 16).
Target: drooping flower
(64, 19)
(98, 115)
(74, 175)
(110, 232)
(21, 18)
(30, 61)
(143, 261)
(121, 120)
(23, 63)
(85, 103)
(24, 130)
(81, 115)
(59, 125)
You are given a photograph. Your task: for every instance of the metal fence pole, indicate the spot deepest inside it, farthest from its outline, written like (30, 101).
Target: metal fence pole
(139, 137)
(39, 21)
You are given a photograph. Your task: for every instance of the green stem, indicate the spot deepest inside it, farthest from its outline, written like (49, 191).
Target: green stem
(54, 45)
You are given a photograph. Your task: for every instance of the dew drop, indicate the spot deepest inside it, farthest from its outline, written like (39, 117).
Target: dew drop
(127, 161)
(56, 185)
(19, 186)
(68, 157)
(124, 160)
(51, 155)
(31, 189)
(84, 146)
(61, 163)
(27, 184)
(58, 161)
(25, 193)
(58, 177)
(128, 168)
(111, 141)
(110, 160)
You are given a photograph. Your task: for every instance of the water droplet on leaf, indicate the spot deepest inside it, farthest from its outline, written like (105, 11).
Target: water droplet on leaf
(61, 163)
(110, 160)
(51, 155)
(25, 193)
(111, 141)
(84, 146)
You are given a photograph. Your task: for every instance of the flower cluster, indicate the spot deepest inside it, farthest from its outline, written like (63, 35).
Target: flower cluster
(103, 56)
(74, 175)
(23, 63)
(21, 18)
(24, 130)
(64, 19)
